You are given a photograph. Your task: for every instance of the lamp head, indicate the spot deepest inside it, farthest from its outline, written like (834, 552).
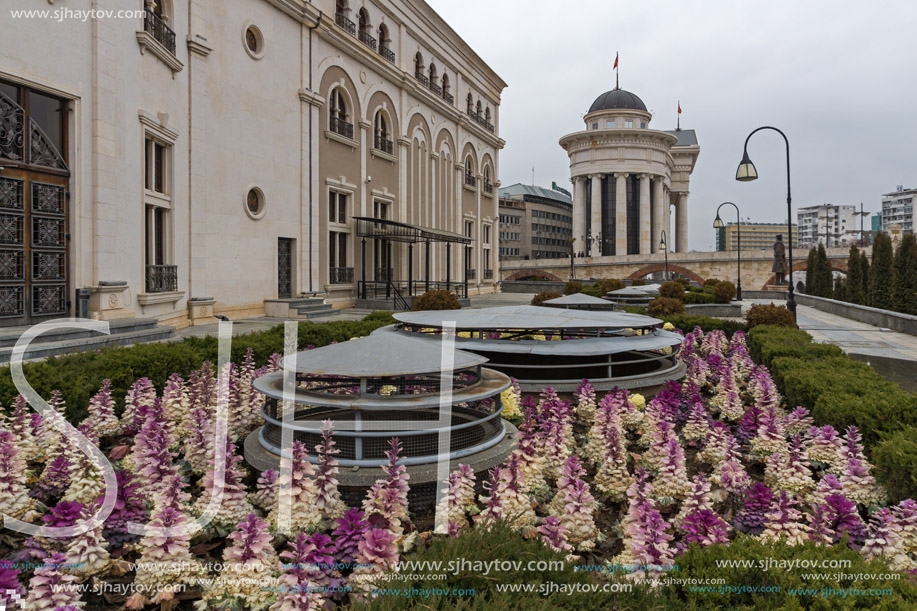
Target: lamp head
(718, 222)
(746, 171)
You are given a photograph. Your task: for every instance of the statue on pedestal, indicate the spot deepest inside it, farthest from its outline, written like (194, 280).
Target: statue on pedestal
(779, 266)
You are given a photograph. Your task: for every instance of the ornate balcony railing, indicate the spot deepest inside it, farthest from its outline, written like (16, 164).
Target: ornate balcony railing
(488, 187)
(161, 278)
(471, 180)
(488, 274)
(384, 145)
(471, 274)
(342, 20)
(422, 78)
(382, 274)
(340, 275)
(340, 126)
(367, 39)
(157, 28)
(448, 97)
(482, 121)
(436, 89)
(387, 53)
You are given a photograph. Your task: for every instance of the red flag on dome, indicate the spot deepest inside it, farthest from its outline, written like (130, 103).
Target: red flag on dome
(679, 107)
(616, 61)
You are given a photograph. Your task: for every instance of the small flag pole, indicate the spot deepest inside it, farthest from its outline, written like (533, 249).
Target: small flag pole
(678, 126)
(617, 81)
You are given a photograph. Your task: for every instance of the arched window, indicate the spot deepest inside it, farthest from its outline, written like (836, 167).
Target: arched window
(365, 30)
(340, 8)
(432, 73)
(470, 105)
(382, 140)
(418, 65)
(470, 178)
(445, 84)
(487, 115)
(478, 108)
(337, 114)
(163, 10)
(488, 186)
(385, 42)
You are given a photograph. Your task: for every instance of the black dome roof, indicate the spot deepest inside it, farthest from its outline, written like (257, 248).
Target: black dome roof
(617, 98)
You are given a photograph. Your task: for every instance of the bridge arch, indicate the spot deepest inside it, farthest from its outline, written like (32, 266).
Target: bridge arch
(534, 273)
(660, 267)
(837, 265)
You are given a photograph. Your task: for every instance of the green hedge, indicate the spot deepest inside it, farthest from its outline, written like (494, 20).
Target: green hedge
(707, 323)
(78, 376)
(842, 392)
(699, 297)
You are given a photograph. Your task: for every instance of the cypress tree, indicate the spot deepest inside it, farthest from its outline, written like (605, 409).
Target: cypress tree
(840, 289)
(854, 284)
(864, 277)
(823, 277)
(904, 289)
(880, 276)
(810, 272)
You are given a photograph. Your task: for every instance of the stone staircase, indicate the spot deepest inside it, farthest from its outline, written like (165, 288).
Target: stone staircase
(298, 308)
(124, 332)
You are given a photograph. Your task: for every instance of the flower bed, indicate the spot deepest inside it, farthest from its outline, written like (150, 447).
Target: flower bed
(716, 467)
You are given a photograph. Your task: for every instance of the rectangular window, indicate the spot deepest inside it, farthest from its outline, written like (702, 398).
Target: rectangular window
(610, 124)
(161, 274)
(157, 160)
(337, 207)
(486, 234)
(380, 210)
(337, 249)
(628, 123)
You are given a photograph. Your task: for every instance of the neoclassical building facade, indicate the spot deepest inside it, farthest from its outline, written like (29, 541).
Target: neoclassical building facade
(205, 157)
(627, 178)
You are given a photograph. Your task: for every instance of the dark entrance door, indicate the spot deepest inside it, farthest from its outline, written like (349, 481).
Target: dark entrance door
(34, 206)
(284, 268)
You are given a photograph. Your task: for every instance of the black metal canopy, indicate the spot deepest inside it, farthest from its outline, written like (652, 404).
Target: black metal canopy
(395, 231)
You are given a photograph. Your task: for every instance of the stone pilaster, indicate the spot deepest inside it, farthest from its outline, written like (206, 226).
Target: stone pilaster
(596, 228)
(681, 222)
(658, 204)
(621, 214)
(645, 227)
(579, 213)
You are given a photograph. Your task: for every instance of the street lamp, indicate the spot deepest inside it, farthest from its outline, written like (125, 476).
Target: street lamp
(747, 172)
(665, 248)
(718, 224)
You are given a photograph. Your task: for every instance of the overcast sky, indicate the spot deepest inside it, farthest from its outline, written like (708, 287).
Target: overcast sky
(839, 78)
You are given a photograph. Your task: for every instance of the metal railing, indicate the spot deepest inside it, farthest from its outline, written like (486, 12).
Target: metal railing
(340, 126)
(367, 39)
(488, 274)
(381, 289)
(157, 28)
(422, 79)
(342, 20)
(340, 275)
(436, 89)
(482, 121)
(488, 187)
(161, 278)
(471, 274)
(382, 274)
(471, 180)
(448, 97)
(383, 144)
(387, 53)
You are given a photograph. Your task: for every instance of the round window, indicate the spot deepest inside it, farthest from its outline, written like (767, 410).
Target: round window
(254, 203)
(254, 42)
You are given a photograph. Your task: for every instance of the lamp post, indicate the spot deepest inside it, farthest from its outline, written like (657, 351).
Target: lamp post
(746, 172)
(665, 248)
(718, 224)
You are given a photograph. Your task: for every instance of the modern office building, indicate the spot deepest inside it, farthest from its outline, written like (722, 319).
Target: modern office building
(898, 208)
(207, 157)
(627, 177)
(753, 236)
(829, 224)
(535, 223)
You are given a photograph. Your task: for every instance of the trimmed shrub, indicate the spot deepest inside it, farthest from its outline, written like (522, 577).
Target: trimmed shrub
(638, 282)
(724, 291)
(593, 290)
(700, 297)
(707, 323)
(672, 290)
(896, 463)
(684, 281)
(767, 342)
(437, 300)
(633, 310)
(543, 296)
(880, 276)
(769, 314)
(711, 282)
(665, 306)
(610, 284)
(572, 287)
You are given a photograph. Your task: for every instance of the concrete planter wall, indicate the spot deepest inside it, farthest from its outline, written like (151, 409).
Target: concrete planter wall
(716, 310)
(903, 323)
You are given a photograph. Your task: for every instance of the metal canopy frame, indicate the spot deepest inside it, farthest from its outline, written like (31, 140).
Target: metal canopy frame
(396, 231)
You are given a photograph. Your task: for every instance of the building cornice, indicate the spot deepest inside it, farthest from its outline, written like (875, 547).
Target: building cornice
(618, 137)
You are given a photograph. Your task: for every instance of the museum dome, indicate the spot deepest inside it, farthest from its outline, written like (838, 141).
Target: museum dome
(617, 99)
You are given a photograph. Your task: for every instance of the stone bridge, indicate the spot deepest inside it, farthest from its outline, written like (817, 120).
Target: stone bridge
(697, 266)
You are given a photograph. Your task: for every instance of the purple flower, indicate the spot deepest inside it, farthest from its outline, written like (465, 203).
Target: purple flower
(757, 503)
(349, 532)
(704, 527)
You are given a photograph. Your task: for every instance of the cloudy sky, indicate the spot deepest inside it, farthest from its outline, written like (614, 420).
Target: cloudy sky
(839, 78)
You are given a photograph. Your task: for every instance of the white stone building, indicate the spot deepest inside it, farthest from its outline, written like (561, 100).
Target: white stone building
(627, 177)
(830, 224)
(209, 156)
(898, 209)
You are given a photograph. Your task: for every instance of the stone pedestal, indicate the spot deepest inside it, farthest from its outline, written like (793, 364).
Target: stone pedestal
(200, 311)
(107, 302)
